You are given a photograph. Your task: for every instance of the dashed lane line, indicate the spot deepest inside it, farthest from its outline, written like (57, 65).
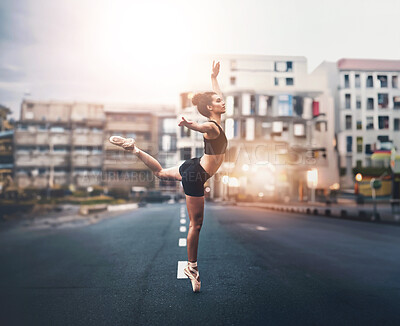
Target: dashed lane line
(182, 242)
(182, 229)
(180, 274)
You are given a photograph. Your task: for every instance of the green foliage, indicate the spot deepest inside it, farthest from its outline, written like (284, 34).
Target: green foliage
(119, 193)
(372, 171)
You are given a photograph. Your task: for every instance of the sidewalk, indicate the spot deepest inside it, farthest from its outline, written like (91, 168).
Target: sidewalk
(341, 210)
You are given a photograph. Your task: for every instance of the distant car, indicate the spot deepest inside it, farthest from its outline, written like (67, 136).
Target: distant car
(155, 197)
(142, 203)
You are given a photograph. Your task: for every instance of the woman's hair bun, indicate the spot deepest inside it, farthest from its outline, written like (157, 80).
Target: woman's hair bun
(196, 98)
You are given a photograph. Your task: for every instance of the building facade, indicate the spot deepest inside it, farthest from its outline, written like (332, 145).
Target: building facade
(58, 144)
(122, 169)
(65, 144)
(369, 112)
(6, 149)
(279, 125)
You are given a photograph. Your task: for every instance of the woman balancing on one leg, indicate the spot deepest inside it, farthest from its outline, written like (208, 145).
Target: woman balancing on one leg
(194, 172)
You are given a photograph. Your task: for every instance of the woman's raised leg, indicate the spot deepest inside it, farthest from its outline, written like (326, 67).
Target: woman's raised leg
(129, 145)
(158, 170)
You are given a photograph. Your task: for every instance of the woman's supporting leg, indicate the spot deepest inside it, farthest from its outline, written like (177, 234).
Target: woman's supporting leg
(195, 207)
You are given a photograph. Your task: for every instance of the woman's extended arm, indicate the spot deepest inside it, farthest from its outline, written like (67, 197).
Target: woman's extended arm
(214, 81)
(206, 127)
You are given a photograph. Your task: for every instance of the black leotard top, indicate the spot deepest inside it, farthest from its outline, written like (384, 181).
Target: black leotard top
(216, 146)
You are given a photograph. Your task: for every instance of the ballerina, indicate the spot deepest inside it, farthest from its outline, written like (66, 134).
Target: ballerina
(194, 172)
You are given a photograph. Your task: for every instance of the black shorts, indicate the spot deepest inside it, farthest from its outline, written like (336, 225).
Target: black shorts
(193, 177)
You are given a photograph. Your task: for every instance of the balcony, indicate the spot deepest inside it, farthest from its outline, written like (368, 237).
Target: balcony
(41, 138)
(91, 139)
(87, 160)
(38, 159)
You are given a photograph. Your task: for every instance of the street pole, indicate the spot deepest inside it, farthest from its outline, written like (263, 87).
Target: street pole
(313, 194)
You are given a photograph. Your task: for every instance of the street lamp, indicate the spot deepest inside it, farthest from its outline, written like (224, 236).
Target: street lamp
(359, 198)
(312, 182)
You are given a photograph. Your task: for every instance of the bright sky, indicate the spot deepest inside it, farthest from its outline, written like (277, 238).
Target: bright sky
(136, 51)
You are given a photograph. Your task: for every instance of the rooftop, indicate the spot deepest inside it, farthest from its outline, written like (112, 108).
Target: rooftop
(368, 64)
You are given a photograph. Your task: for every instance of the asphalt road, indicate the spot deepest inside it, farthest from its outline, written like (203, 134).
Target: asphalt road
(257, 268)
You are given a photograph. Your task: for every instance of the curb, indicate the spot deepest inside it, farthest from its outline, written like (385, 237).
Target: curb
(342, 213)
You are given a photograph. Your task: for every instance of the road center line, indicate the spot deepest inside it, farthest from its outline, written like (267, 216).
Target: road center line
(182, 242)
(183, 221)
(180, 274)
(182, 229)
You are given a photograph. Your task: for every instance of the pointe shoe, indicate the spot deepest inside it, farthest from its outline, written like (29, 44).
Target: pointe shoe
(194, 278)
(126, 143)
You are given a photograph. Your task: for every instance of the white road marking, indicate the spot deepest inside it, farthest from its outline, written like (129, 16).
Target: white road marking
(261, 228)
(182, 242)
(180, 274)
(183, 221)
(182, 229)
(183, 215)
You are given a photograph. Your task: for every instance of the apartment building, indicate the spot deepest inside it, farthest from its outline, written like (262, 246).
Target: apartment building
(279, 123)
(369, 111)
(167, 147)
(6, 149)
(58, 144)
(153, 131)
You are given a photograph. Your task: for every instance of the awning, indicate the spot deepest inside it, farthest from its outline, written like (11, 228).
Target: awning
(380, 156)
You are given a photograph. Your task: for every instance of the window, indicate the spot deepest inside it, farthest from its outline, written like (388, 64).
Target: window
(348, 101)
(186, 153)
(370, 123)
(346, 81)
(383, 122)
(283, 66)
(370, 81)
(348, 122)
(359, 163)
(236, 103)
(289, 82)
(199, 151)
(357, 81)
(299, 130)
(349, 144)
(396, 102)
(233, 80)
(395, 82)
(370, 103)
(368, 149)
(383, 81)
(57, 129)
(243, 128)
(22, 127)
(130, 135)
(396, 125)
(358, 102)
(276, 81)
(185, 132)
(44, 148)
(383, 101)
(252, 104)
(61, 149)
(169, 126)
(359, 144)
(359, 125)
